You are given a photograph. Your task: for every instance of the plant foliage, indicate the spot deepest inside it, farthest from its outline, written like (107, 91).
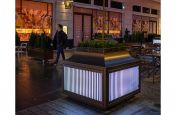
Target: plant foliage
(40, 41)
(17, 39)
(101, 44)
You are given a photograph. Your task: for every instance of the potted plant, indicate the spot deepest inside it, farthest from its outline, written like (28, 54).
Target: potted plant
(39, 46)
(101, 46)
(93, 70)
(17, 39)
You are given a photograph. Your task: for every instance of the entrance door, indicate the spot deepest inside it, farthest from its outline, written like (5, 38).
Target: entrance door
(82, 28)
(153, 27)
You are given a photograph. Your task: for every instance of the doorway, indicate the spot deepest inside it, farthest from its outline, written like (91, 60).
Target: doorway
(82, 27)
(153, 27)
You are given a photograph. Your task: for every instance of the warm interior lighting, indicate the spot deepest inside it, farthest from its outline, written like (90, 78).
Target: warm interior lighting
(65, 29)
(101, 31)
(26, 31)
(114, 31)
(110, 31)
(68, 4)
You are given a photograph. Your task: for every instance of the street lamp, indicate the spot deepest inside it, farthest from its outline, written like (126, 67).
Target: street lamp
(68, 4)
(103, 33)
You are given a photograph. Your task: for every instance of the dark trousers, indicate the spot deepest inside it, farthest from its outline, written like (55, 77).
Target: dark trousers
(60, 50)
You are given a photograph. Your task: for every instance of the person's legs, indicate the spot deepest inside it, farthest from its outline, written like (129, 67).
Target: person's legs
(62, 52)
(58, 55)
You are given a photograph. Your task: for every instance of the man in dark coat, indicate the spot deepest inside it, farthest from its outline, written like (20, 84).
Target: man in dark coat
(60, 37)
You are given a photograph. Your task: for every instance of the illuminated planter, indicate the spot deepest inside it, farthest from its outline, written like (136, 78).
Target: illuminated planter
(101, 78)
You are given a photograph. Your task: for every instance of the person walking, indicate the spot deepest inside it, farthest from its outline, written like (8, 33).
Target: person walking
(60, 38)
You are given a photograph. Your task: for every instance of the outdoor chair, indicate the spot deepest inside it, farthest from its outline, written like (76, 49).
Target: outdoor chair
(22, 48)
(135, 51)
(150, 60)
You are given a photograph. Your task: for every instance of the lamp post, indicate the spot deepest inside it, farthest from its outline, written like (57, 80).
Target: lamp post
(103, 33)
(68, 4)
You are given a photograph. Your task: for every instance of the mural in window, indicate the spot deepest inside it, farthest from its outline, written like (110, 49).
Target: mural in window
(113, 23)
(98, 21)
(140, 23)
(136, 23)
(33, 19)
(145, 24)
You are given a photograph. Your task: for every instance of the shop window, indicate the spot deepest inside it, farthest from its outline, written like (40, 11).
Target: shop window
(31, 18)
(83, 1)
(100, 2)
(154, 11)
(98, 21)
(136, 8)
(153, 25)
(113, 23)
(145, 24)
(146, 10)
(137, 20)
(115, 4)
(141, 23)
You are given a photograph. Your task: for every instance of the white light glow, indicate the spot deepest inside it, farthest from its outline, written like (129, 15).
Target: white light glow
(123, 82)
(83, 82)
(155, 41)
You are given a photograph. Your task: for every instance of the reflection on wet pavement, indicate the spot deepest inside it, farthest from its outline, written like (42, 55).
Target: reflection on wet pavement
(35, 82)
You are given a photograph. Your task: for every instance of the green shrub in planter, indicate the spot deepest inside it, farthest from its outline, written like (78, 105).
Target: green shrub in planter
(45, 41)
(17, 39)
(40, 41)
(98, 44)
(135, 37)
(100, 35)
(37, 42)
(32, 39)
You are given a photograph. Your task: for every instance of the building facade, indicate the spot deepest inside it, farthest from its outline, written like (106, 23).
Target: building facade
(85, 17)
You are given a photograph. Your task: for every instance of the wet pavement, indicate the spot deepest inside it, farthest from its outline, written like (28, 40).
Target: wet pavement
(36, 82)
(38, 92)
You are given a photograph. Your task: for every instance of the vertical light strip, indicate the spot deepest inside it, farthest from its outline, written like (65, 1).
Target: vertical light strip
(115, 85)
(65, 75)
(68, 78)
(83, 82)
(73, 78)
(90, 93)
(92, 84)
(100, 86)
(86, 81)
(77, 85)
(110, 86)
(123, 82)
(80, 82)
(97, 86)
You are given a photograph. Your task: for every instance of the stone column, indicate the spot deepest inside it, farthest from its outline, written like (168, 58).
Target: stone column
(127, 18)
(65, 17)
